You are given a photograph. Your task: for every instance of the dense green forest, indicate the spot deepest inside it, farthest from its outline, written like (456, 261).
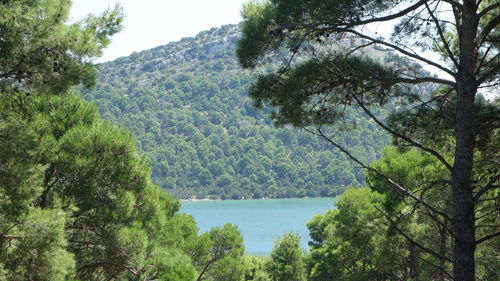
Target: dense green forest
(77, 197)
(439, 206)
(187, 104)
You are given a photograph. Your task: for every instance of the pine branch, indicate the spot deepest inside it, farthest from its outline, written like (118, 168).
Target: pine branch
(405, 191)
(441, 35)
(403, 137)
(487, 237)
(422, 247)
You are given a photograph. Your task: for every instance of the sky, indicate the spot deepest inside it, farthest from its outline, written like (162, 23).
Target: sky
(150, 23)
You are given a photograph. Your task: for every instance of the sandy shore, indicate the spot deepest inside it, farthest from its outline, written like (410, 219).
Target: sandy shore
(198, 200)
(264, 198)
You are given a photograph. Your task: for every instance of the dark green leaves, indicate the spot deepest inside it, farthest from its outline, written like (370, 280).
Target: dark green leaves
(38, 49)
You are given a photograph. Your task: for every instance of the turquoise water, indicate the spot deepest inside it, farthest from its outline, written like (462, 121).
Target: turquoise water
(261, 221)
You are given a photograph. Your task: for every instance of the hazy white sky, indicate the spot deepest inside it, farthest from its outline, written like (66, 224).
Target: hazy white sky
(150, 23)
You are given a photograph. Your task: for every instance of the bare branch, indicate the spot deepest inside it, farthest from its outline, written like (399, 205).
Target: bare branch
(205, 268)
(403, 190)
(441, 35)
(108, 264)
(325, 26)
(428, 185)
(486, 30)
(12, 71)
(10, 237)
(390, 17)
(419, 80)
(422, 247)
(485, 55)
(487, 187)
(438, 267)
(487, 75)
(489, 9)
(395, 47)
(442, 224)
(357, 48)
(487, 237)
(403, 137)
(11, 227)
(487, 214)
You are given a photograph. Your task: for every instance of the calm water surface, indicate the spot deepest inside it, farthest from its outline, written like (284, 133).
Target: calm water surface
(261, 221)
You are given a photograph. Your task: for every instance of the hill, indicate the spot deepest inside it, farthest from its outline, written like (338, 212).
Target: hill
(186, 103)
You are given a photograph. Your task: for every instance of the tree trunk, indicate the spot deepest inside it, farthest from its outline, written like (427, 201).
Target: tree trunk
(463, 203)
(442, 250)
(413, 261)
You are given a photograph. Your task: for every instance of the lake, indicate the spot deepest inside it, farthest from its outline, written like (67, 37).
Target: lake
(261, 221)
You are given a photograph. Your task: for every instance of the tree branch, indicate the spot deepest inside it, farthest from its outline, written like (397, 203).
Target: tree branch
(405, 191)
(441, 35)
(442, 224)
(403, 137)
(487, 214)
(12, 71)
(438, 267)
(205, 268)
(482, 61)
(10, 237)
(395, 47)
(422, 247)
(400, 13)
(486, 30)
(11, 227)
(486, 75)
(108, 264)
(325, 26)
(389, 17)
(357, 48)
(419, 80)
(489, 8)
(487, 237)
(485, 188)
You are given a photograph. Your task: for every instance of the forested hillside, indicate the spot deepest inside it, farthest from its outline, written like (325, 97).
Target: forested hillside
(187, 104)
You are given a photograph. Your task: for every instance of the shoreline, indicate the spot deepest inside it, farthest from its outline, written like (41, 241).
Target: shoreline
(246, 199)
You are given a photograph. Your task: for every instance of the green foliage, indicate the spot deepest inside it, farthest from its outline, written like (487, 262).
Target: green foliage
(413, 169)
(92, 204)
(76, 198)
(40, 55)
(170, 264)
(190, 113)
(255, 268)
(222, 259)
(285, 92)
(419, 172)
(38, 49)
(258, 15)
(353, 242)
(286, 261)
(37, 249)
(360, 239)
(321, 50)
